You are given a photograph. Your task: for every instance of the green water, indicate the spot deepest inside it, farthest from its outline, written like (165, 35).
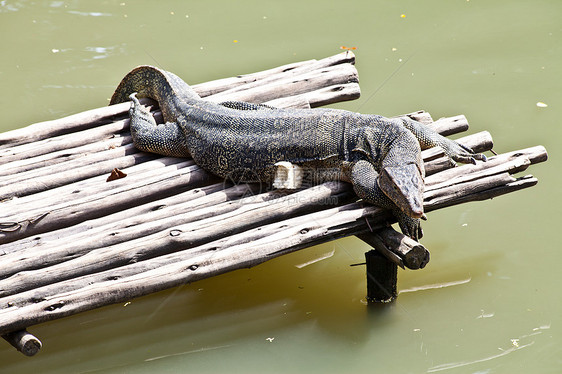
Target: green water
(488, 302)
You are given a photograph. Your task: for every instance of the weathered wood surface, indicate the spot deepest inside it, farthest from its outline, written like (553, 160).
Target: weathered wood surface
(24, 342)
(70, 241)
(397, 248)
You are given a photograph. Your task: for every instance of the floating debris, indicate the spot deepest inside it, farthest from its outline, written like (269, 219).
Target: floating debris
(540, 104)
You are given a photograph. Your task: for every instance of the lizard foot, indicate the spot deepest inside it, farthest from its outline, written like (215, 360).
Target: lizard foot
(460, 153)
(409, 226)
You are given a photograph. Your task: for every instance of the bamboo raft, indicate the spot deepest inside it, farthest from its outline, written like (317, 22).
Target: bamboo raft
(86, 220)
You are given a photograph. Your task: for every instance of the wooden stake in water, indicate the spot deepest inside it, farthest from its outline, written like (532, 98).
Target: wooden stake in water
(382, 277)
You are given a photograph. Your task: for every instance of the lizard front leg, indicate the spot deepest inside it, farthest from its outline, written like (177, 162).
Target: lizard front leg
(165, 139)
(364, 179)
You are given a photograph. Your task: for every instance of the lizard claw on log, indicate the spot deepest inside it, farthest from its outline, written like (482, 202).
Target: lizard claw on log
(461, 153)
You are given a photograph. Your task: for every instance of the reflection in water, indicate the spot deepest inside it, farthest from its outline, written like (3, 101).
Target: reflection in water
(436, 286)
(454, 365)
(89, 14)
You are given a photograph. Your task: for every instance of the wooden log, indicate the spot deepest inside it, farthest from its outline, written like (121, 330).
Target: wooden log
(533, 155)
(76, 122)
(182, 202)
(463, 174)
(420, 116)
(24, 342)
(110, 232)
(485, 194)
(212, 258)
(450, 195)
(197, 263)
(94, 205)
(382, 278)
(333, 75)
(299, 230)
(41, 179)
(56, 158)
(432, 195)
(62, 142)
(537, 150)
(158, 168)
(139, 250)
(450, 125)
(247, 215)
(95, 187)
(228, 86)
(435, 161)
(320, 97)
(398, 248)
(219, 85)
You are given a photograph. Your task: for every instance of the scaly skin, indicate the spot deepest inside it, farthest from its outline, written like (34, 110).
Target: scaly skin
(379, 156)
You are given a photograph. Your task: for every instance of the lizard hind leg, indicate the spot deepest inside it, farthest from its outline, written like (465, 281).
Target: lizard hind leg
(428, 138)
(165, 139)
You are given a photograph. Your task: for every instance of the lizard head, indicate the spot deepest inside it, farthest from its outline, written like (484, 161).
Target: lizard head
(404, 186)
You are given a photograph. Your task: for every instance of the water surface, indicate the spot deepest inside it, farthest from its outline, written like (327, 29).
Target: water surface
(489, 300)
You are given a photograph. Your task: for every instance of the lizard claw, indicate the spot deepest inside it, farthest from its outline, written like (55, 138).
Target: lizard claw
(409, 226)
(460, 153)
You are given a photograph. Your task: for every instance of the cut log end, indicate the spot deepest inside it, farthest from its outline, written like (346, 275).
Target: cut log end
(24, 342)
(398, 248)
